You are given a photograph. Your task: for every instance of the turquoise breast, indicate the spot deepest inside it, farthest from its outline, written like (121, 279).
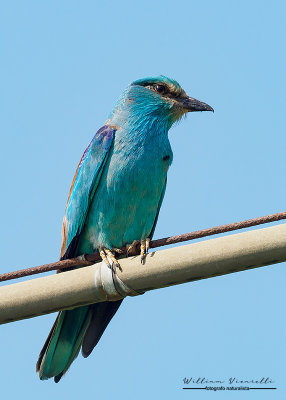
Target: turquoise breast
(127, 199)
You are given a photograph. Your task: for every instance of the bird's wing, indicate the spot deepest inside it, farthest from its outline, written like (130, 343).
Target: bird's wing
(83, 187)
(158, 209)
(64, 340)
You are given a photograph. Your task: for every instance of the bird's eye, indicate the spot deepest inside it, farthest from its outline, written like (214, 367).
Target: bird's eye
(160, 89)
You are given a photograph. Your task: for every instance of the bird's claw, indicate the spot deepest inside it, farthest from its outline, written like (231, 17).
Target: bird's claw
(144, 248)
(109, 258)
(132, 249)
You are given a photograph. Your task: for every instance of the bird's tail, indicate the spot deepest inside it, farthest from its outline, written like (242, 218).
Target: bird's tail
(63, 343)
(72, 329)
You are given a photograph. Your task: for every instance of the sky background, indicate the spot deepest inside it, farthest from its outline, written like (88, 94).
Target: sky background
(63, 66)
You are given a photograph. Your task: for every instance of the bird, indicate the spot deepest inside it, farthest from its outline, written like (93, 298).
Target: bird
(114, 201)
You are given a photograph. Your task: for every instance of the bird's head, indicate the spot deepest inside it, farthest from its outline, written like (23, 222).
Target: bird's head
(158, 97)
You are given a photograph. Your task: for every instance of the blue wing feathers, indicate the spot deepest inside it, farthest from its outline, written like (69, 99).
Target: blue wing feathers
(86, 181)
(64, 340)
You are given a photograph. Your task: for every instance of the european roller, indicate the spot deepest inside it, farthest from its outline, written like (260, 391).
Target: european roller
(114, 201)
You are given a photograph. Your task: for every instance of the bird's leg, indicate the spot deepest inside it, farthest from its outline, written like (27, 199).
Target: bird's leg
(147, 245)
(111, 256)
(103, 257)
(144, 248)
(109, 259)
(131, 249)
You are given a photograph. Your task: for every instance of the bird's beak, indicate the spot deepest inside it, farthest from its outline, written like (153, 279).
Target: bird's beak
(190, 104)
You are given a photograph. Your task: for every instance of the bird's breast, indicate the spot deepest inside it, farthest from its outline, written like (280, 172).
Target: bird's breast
(126, 202)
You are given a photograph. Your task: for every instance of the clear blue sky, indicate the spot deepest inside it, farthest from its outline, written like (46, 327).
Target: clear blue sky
(63, 65)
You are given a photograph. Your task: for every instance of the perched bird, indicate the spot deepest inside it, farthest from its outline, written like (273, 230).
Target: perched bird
(114, 200)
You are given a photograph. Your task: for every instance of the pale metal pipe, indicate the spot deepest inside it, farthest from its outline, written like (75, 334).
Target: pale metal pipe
(163, 268)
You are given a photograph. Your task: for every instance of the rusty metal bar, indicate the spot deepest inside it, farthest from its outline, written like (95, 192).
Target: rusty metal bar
(89, 259)
(182, 264)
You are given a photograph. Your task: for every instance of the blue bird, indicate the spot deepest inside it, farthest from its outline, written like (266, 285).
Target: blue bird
(114, 201)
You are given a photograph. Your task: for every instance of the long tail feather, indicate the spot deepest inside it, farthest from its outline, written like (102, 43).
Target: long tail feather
(72, 329)
(63, 343)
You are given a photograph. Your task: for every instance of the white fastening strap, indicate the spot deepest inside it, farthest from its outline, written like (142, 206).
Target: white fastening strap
(111, 284)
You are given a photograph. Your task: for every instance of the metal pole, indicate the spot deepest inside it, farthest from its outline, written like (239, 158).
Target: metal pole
(163, 268)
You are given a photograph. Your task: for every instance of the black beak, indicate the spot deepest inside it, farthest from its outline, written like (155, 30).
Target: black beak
(190, 104)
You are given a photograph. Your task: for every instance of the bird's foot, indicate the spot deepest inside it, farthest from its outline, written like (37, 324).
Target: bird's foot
(109, 258)
(144, 248)
(132, 249)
